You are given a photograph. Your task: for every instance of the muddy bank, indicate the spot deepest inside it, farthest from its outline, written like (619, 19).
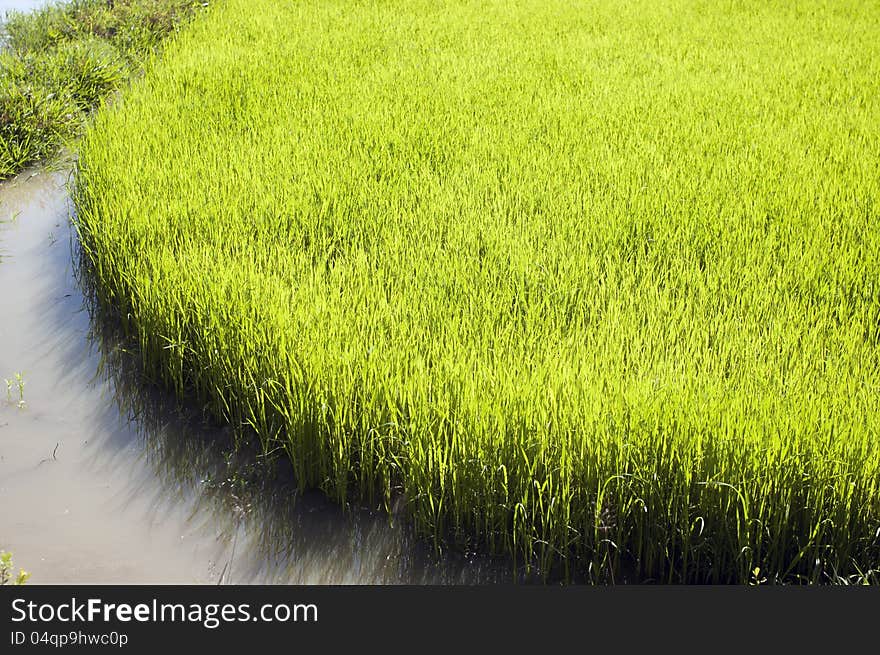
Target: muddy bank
(105, 480)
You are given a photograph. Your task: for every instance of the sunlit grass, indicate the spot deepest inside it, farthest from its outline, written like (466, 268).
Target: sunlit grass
(60, 62)
(596, 284)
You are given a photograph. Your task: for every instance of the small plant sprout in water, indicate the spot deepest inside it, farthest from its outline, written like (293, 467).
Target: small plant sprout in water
(7, 571)
(16, 382)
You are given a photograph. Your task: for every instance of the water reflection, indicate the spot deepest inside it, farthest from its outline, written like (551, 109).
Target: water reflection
(252, 505)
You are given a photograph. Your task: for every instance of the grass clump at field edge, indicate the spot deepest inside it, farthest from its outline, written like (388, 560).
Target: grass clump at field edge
(596, 284)
(60, 62)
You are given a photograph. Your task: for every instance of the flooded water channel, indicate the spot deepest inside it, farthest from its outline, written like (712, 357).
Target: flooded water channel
(104, 479)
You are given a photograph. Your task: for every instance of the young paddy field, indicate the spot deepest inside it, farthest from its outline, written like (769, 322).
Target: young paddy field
(592, 284)
(107, 480)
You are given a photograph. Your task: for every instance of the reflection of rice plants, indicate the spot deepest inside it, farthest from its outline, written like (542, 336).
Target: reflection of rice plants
(592, 284)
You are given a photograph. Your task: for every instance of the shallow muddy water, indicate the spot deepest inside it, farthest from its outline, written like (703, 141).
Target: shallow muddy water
(103, 479)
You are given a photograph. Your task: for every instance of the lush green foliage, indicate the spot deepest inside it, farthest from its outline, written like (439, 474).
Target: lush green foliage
(62, 61)
(595, 283)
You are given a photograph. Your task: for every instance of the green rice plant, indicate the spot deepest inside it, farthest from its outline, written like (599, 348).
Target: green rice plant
(7, 571)
(16, 382)
(592, 283)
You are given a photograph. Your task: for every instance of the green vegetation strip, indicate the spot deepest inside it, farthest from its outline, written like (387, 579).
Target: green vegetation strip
(60, 62)
(592, 283)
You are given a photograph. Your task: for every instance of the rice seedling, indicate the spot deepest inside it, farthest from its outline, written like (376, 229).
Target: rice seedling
(17, 382)
(7, 571)
(595, 284)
